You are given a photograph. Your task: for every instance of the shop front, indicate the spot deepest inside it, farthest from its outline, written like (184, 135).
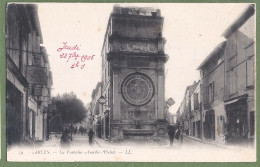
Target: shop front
(14, 114)
(237, 120)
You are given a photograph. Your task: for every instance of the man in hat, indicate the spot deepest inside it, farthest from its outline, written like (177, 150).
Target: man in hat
(171, 132)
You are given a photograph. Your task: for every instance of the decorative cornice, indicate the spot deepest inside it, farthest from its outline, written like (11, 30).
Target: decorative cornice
(128, 55)
(118, 37)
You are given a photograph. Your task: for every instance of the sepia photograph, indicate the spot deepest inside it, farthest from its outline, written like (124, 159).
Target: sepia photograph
(130, 82)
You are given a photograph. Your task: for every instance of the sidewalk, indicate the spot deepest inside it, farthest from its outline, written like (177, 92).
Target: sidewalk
(101, 142)
(206, 141)
(216, 144)
(53, 141)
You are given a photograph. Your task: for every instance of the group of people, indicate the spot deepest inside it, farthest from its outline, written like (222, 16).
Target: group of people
(175, 131)
(66, 137)
(79, 130)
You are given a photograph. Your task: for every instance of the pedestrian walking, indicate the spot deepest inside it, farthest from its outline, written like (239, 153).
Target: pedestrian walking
(181, 133)
(178, 133)
(71, 130)
(65, 138)
(90, 136)
(75, 130)
(81, 130)
(171, 133)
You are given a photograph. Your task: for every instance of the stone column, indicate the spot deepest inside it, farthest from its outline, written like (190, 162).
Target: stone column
(116, 100)
(161, 98)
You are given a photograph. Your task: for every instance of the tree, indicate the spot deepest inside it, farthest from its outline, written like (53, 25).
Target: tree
(71, 108)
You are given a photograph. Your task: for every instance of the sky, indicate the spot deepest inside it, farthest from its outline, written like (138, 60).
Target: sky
(191, 32)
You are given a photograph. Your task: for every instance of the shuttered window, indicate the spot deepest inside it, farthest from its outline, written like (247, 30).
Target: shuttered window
(250, 73)
(211, 92)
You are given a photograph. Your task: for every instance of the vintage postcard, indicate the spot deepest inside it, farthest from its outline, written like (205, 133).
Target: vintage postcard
(131, 82)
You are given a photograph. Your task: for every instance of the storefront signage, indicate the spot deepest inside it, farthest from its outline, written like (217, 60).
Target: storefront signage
(37, 91)
(37, 75)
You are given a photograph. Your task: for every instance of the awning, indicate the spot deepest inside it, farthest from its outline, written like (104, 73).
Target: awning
(235, 99)
(231, 101)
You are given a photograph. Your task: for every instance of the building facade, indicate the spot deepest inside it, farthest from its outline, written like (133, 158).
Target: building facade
(96, 113)
(187, 112)
(133, 76)
(195, 111)
(29, 80)
(228, 84)
(239, 98)
(212, 94)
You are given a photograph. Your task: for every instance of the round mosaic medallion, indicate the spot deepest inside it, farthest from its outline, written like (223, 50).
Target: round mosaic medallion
(137, 89)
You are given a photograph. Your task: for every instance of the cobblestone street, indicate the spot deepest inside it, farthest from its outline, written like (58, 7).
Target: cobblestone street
(82, 141)
(191, 150)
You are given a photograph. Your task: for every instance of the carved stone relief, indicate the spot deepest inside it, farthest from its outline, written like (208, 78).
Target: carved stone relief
(130, 112)
(140, 47)
(137, 46)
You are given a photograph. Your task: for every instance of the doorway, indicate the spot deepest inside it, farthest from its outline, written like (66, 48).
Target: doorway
(209, 125)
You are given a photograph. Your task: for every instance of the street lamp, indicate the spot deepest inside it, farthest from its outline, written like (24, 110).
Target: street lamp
(102, 100)
(170, 101)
